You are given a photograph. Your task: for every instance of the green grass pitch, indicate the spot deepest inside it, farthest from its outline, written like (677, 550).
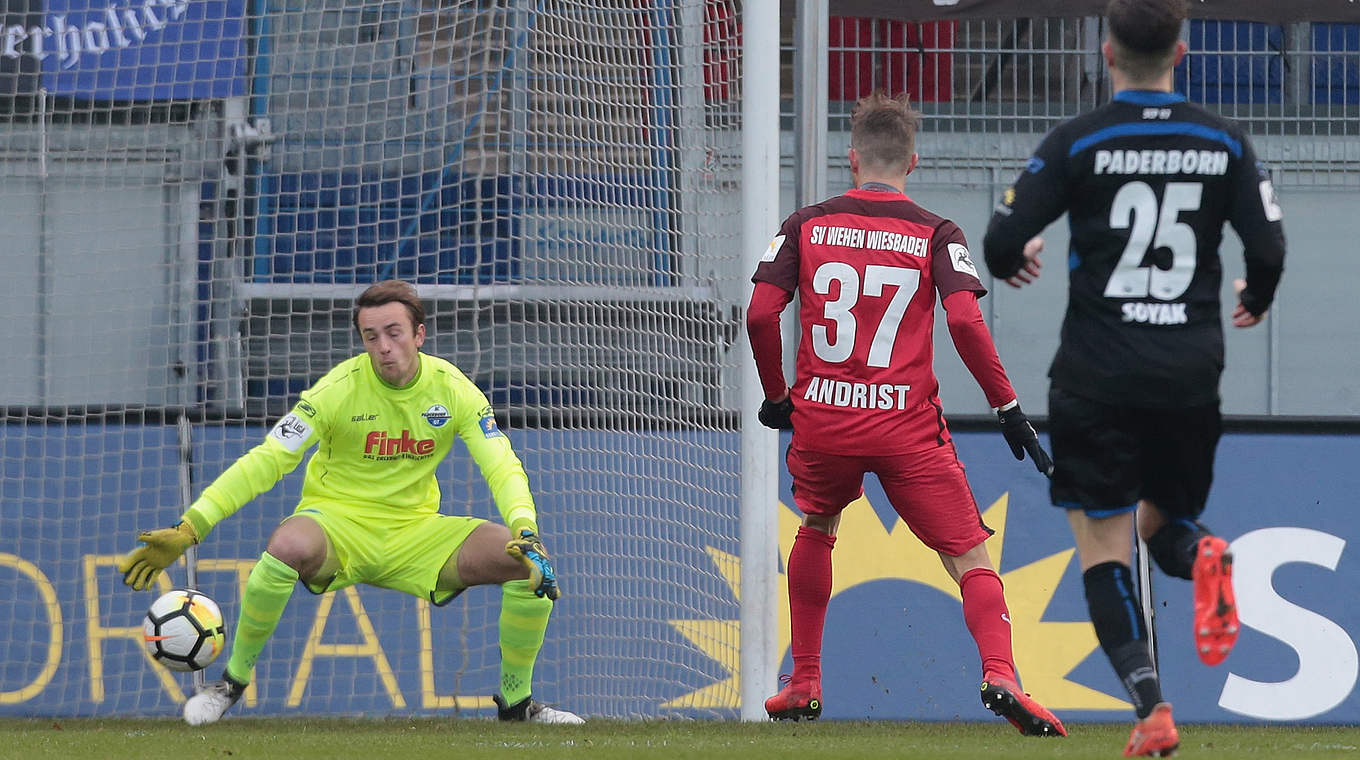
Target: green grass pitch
(432, 739)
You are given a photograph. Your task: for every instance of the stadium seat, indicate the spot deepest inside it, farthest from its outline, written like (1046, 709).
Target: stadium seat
(329, 227)
(869, 54)
(1336, 78)
(1232, 62)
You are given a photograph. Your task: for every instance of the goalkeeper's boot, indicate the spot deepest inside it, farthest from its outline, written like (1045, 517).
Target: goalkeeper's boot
(796, 701)
(212, 700)
(532, 711)
(1003, 696)
(1216, 623)
(1155, 735)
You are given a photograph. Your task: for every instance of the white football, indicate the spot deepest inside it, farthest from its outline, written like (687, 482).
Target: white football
(183, 630)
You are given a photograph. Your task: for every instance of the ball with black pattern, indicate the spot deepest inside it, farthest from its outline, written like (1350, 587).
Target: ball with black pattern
(183, 630)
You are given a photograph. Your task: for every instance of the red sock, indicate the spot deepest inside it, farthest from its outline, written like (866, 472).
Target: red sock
(988, 619)
(809, 575)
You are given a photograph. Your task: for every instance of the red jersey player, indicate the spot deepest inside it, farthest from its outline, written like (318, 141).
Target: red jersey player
(866, 266)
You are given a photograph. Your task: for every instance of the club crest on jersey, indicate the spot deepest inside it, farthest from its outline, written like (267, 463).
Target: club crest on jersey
(488, 423)
(436, 415)
(958, 256)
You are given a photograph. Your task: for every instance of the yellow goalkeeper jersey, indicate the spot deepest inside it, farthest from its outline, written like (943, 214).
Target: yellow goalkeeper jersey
(377, 447)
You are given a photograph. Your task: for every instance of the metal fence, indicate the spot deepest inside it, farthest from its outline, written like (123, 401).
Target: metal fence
(990, 89)
(985, 75)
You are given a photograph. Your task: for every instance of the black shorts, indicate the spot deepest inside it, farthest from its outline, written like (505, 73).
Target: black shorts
(1106, 458)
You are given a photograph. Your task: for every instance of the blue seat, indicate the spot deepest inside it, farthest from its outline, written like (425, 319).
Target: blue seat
(331, 227)
(1336, 78)
(1232, 62)
(346, 227)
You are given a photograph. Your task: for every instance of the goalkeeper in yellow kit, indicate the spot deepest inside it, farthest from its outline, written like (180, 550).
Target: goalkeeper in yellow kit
(382, 422)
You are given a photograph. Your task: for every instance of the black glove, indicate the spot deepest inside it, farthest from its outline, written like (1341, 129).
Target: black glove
(1021, 437)
(777, 414)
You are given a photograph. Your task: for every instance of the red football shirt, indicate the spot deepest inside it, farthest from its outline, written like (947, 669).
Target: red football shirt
(867, 267)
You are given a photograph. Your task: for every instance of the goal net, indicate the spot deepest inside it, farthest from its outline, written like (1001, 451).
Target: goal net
(194, 192)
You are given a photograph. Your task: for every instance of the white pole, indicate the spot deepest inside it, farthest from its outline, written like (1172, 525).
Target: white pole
(1145, 595)
(185, 435)
(811, 111)
(759, 445)
(46, 267)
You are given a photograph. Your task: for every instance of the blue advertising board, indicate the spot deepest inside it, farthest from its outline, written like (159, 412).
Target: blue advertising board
(134, 50)
(648, 622)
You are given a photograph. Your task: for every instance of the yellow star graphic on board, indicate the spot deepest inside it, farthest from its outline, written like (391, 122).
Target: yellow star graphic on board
(1045, 652)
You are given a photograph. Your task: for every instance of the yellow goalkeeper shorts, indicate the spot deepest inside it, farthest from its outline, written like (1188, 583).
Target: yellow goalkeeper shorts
(404, 553)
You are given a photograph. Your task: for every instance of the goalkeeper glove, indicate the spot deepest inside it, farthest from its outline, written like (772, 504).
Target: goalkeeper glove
(1021, 437)
(528, 549)
(777, 414)
(161, 547)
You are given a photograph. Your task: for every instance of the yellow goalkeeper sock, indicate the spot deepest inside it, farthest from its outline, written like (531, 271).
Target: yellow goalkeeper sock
(523, 621)
(267, 592)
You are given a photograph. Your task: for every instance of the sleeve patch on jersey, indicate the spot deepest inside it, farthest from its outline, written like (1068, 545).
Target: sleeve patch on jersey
(291, 431)
(489, 429)
(773, 249)
(1268, 201)
(306, 408)
(958, 256)
(488, 423)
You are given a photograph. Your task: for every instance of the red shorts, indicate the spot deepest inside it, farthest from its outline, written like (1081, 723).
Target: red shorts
(926, 488)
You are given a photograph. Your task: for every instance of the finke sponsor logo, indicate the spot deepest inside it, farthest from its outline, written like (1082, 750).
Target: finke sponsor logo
(120, 26)
(379, 444)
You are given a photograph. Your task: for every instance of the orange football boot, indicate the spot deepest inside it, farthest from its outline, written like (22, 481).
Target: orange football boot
(1155, 735)
(1216, 623)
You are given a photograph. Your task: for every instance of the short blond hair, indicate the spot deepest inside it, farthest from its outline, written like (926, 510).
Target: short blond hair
(883, 131)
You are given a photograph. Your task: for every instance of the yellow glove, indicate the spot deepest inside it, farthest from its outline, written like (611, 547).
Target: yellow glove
(528, 549)
(161, 547)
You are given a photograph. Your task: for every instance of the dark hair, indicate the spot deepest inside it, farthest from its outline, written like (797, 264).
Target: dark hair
(883, 130)
(392, 291)
(1144, 33)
